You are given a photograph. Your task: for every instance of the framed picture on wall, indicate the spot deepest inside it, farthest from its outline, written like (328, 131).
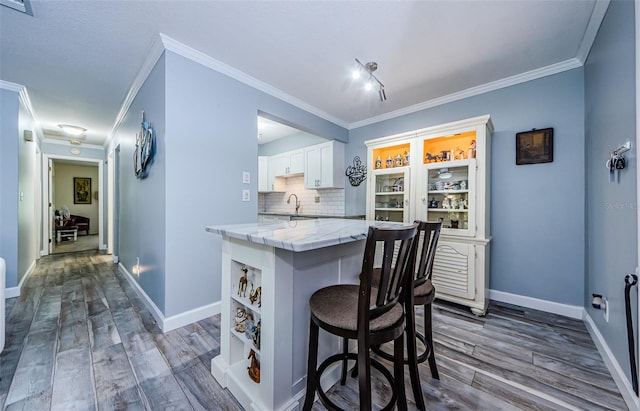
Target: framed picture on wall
(81, 190)
(535, 146)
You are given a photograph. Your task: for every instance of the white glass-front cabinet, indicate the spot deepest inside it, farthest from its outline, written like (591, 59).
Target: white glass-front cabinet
(450, 168)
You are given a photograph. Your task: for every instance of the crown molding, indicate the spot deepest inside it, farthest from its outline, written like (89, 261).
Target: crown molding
(207, 61)
(474, 91)
(154, 54)
(597, 15)
(7, 85)
(23, 96)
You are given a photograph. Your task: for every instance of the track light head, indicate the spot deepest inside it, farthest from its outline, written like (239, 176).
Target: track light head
(369, 68)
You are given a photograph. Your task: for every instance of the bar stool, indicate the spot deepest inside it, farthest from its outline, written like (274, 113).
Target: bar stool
(423, 294)
(371, 313)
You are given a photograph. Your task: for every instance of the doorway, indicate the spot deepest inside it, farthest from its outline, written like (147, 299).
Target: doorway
(72, 218)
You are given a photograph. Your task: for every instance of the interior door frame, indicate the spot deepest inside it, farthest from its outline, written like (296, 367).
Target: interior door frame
(637, 31)
(47, 238)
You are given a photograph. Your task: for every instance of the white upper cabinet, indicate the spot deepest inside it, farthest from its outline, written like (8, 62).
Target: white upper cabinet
(323, 165)
(288, 163)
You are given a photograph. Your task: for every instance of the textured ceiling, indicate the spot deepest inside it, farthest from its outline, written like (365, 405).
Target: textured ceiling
(78, 59)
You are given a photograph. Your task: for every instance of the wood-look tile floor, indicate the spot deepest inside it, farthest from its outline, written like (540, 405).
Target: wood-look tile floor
(79, 338)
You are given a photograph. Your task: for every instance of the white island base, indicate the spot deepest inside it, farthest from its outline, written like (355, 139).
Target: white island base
(287, 279)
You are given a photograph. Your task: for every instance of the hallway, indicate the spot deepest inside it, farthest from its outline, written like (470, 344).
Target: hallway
(79, 338)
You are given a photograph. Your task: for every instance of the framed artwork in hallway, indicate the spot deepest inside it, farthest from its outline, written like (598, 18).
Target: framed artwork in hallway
(81, 190)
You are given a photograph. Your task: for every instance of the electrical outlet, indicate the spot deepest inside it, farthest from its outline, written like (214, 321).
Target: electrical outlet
(605, 309)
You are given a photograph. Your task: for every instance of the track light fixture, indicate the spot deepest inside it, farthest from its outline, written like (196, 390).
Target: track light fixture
(366, 70)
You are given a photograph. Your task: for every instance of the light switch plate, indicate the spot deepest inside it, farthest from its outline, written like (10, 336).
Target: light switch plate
(246, 196)
(246, 177)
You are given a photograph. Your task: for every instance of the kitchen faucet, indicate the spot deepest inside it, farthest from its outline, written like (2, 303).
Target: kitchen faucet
(297, 202)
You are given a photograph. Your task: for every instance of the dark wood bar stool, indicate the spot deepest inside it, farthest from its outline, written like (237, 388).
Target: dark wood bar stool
(371, 313)
(423, 294)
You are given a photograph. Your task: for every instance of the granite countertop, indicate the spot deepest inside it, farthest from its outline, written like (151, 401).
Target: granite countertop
(300, 235)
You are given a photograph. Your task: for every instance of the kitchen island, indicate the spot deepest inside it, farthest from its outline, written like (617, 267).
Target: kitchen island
(288, 260)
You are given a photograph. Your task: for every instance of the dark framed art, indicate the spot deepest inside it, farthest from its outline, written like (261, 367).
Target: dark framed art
(81, 190)
(535, 146)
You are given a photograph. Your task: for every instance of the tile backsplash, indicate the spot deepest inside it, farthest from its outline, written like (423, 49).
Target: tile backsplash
(331, 200)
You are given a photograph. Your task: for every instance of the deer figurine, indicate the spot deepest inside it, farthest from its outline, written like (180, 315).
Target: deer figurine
(255, 296)
(242, 283)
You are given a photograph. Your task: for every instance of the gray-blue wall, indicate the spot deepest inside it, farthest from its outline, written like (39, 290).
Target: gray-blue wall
(293, 142)
(211, 138)
(611, 208)
(9, 111)
(537, 211)
(142, 218)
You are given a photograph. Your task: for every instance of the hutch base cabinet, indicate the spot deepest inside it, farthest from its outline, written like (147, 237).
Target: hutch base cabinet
(440, 173)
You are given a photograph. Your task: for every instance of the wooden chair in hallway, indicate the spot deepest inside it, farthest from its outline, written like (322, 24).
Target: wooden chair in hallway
(371, 313)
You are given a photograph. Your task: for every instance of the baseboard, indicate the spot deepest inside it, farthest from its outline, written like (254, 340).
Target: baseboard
(12, 292)
(191, 316)
(630, 397)
(153, 308)
(571, 311)
(167, 324)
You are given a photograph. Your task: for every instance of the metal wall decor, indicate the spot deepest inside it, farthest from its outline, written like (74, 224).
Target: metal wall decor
(144, 149)
(357, 173)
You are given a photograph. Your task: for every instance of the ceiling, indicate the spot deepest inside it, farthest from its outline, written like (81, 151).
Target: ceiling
(79, 59)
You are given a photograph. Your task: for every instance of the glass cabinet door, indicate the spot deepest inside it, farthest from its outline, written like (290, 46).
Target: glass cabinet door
(450, 195)
(391, 195)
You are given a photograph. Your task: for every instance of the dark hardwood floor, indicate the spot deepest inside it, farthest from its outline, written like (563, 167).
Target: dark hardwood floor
(79, 338)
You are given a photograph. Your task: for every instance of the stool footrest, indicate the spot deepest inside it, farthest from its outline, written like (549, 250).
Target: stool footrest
(354, 356)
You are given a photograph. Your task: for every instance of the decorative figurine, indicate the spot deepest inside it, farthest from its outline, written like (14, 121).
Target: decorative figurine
(378, 163)
(461, 203)
(406, 158)
(454, 223)
(433, 203)
(240, 320)
(256, 335)
(445, 155)
(430, 157)
(472, 149)
(242, 283)
(389, 162)
(463, 185)
(255, 296)
(446, 203)
(254, 367)
(398, 160)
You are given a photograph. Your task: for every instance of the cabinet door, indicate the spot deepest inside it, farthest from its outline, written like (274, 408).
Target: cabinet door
(391, 195)
(296, 162)
(279, 164)
(449, 195)
(312, 167)
(323, 166)
(263, 174)
(454, 269)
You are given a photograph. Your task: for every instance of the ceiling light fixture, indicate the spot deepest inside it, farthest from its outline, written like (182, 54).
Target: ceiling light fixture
(368, 69)
(72, 130)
